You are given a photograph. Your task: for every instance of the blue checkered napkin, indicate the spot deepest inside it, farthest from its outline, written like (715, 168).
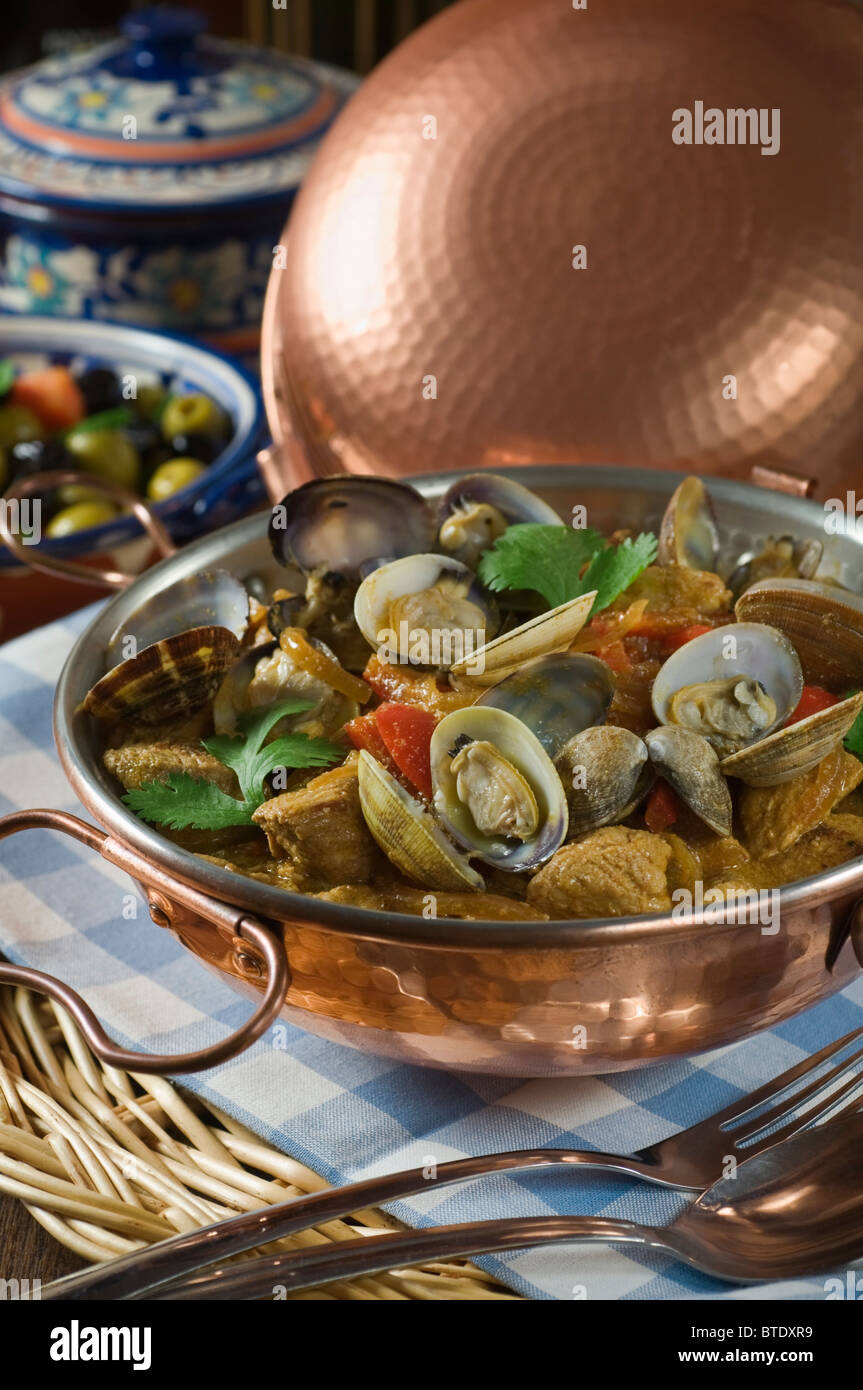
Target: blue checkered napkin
(66, 911)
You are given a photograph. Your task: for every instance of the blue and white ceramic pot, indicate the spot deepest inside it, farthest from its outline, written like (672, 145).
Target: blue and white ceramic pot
(147, 181)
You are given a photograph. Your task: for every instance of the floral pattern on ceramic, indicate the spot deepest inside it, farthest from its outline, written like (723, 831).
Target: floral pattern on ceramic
(87, 98)
(203, 288)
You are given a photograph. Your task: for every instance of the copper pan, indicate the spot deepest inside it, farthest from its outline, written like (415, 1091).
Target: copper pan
(552, 999)
(427, 314)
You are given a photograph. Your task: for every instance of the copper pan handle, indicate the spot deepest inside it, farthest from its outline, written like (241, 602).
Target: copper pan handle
(783, 480)
(70, 569)
(250, 929)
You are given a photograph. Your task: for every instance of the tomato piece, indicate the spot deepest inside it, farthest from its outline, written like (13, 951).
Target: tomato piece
(615, 656)
(53, 394)
(681, 635)
(663, 808)
(363, 732)
(406, 730)
(813, 700)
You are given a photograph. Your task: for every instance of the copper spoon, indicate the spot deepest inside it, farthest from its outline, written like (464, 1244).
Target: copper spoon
(796, 1209)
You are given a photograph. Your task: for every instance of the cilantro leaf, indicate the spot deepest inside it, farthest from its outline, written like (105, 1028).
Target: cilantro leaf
(614, 569)
(241, 751)
(549, 559)
(183, 801)
(295, 750)
(7, 375)
(562, 564)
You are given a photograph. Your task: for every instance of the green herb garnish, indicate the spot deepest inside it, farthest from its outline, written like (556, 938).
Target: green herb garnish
(562, 564)
(7, 375)
(184, 802)
(114, 419)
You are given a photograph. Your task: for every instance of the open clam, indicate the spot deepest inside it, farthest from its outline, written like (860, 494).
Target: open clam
(733, 685)
(335, 525)
(689, 534)
(478, 508)
(553, 631)
(605, 773)
(409, 835)
(555, 696)
(823, 622)
(691, 767)
(496, 789)
(785, 558)
(796, 749)
(425, 610)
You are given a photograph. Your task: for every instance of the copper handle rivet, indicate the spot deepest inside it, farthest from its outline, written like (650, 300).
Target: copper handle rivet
(159, 911)
(248, 964)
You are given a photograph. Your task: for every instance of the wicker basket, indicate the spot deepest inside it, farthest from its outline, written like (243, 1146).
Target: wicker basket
(109, 1161)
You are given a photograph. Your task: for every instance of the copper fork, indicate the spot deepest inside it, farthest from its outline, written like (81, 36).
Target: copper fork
(692, 1160)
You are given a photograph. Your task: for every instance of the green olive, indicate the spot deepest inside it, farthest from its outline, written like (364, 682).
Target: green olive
(150, 401)
(79, 518)
(108, 454)
(172, 477)
(18, 424)
(194, 414)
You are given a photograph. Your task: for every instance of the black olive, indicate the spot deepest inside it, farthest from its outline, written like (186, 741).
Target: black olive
(202, 447)
(144, 435)
(100, 388)
(31, 456)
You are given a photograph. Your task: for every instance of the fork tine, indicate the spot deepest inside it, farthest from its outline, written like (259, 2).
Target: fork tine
(796, 1099)
(807, 1120)
(772, 1090)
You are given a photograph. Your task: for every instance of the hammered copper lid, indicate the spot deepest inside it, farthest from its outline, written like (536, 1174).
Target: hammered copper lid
(430, 316)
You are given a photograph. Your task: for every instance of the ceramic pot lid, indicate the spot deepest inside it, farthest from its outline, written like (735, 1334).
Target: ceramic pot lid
(436, 312)
(164, 117)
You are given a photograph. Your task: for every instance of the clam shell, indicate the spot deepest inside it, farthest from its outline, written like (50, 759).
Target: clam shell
(612, 764)
(514, 503)
(336, 524)
(411, 575)
(789, 752)
(553, 631)
(556, 696)
(823, 622)
(691, 767)
(526, 754)
(167, 679)
(408, 834)
(689, 535)
(760, 651)
(777, 558)
(214, 598)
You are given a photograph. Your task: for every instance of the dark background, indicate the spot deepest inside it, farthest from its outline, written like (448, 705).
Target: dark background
(353, 33)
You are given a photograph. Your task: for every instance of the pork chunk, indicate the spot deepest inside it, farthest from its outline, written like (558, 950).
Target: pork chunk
(774, 818)
(137, 763)
(321, 829)
(838, 839)
(613, 872)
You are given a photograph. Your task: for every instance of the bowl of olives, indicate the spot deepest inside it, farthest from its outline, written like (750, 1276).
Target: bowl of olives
(174, 423)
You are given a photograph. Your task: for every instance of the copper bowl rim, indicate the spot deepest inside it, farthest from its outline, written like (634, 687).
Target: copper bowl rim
(277, 904)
